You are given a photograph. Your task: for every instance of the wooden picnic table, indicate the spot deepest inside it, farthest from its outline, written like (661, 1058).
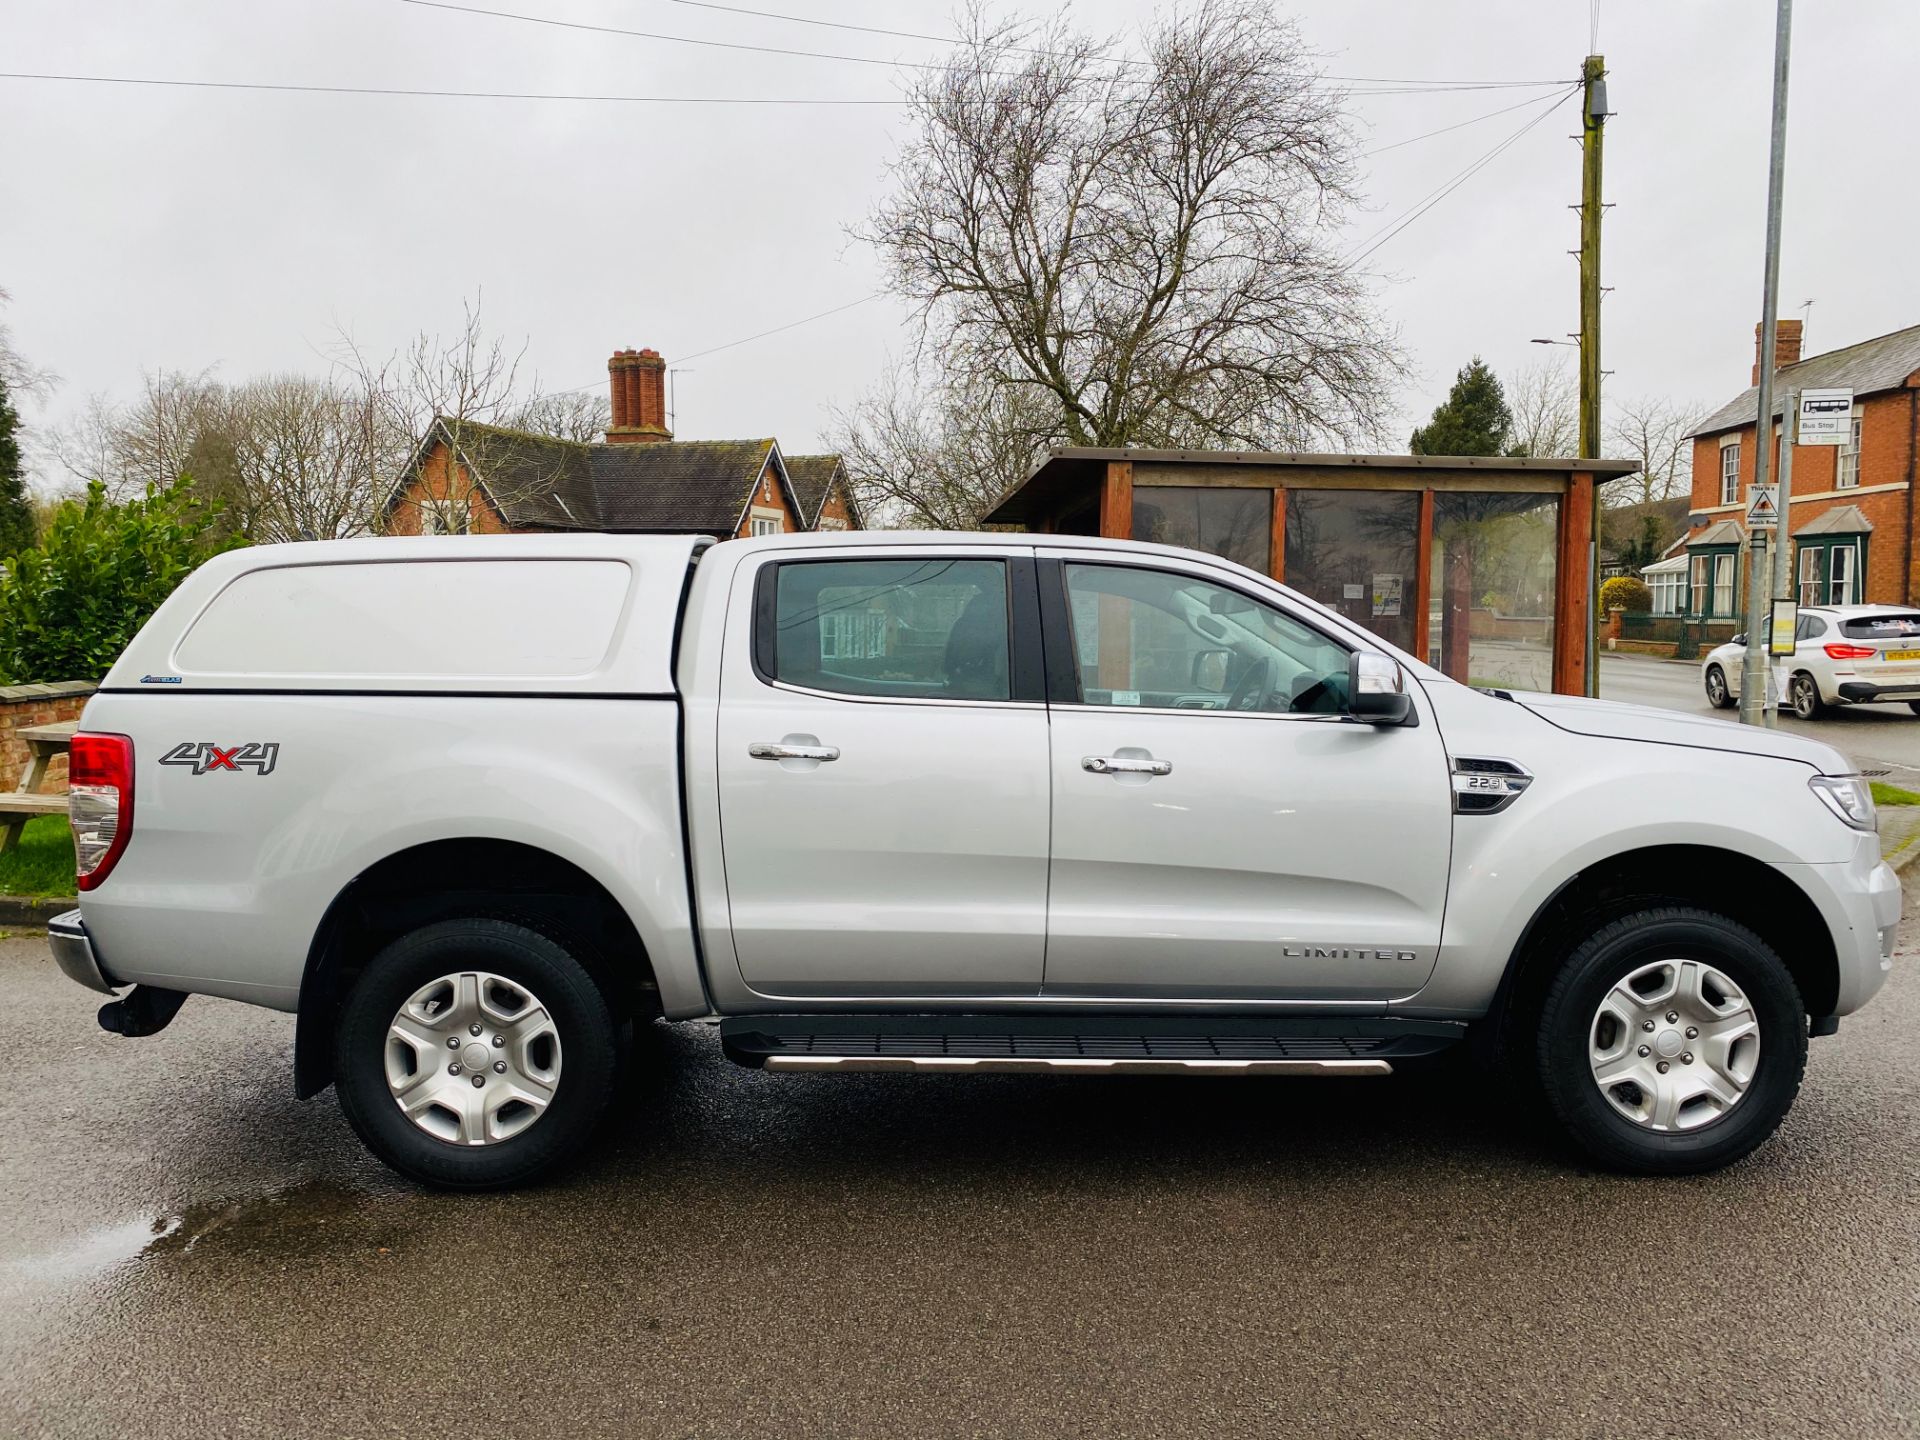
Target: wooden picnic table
(19, 806)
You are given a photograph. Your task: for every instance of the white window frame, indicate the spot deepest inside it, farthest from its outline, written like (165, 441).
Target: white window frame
(1841, 588)
(1730, 471)
(1846, 469)
(765, 522)
(1810, 574)
(1724, 585)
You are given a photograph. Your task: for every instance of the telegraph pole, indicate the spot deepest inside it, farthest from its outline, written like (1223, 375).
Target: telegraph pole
(1753, 669)
(1593, 116)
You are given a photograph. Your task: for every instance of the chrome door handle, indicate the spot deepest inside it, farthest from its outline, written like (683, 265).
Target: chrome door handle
(1125, 765)
(764, 751)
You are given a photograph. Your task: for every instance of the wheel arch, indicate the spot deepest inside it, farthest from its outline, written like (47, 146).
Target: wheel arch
(1745, 890)
(443, 879)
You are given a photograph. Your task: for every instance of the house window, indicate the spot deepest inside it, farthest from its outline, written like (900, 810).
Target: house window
(1847, 476)
(1723, 585)
(1697, 569)
(765, 525)
(829, 522)
(1669, 592)
(1830, 570)
(1730, 473)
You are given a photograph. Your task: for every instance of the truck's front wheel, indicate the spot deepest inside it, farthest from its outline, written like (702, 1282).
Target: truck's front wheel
(1671, 1042)
(474, 1054)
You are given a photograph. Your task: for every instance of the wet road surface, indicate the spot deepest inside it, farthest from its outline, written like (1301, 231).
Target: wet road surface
(185, 1250)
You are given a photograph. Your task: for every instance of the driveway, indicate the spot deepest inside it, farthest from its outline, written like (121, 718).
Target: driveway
(185, 1250)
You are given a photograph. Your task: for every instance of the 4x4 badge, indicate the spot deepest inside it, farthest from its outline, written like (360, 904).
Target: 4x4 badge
(203, 755)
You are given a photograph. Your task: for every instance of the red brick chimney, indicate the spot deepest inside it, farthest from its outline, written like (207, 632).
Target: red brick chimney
(1786, 346)
(638, 380)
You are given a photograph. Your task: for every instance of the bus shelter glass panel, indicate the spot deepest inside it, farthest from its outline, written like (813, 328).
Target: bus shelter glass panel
(1355, 550)
(1235, 524)
(1490, 614)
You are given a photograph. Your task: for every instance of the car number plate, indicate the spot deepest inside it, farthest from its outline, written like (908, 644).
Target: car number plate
(1895, 655)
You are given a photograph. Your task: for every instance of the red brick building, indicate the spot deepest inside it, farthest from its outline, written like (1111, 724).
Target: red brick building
(1851, 521)
(469, 478)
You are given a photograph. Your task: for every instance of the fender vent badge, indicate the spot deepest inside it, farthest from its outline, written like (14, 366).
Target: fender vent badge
(1486, 786)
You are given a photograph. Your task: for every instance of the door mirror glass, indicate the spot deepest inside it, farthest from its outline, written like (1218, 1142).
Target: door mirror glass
(1377, 690)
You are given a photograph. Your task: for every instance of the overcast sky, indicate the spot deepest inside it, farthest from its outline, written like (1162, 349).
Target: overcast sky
(182, 228)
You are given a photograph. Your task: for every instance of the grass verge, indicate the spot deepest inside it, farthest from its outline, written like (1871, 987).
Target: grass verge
(42, 864)
(1893, 795)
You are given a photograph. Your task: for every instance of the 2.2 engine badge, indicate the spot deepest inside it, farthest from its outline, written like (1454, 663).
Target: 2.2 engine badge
(201, 756)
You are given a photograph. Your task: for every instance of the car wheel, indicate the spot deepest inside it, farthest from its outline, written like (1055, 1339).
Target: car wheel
(1914, 705)
(474, 1054)
(1803, 693)
(1672, 1042)
(1718, 695)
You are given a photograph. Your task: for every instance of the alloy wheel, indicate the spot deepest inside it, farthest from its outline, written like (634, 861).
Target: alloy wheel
(1674, 1045)
(473, 1058)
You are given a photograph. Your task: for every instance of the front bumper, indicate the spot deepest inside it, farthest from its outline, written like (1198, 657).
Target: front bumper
(73, 952)
(1862, 692)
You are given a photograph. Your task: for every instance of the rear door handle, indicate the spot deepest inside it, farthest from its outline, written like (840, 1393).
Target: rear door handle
(1125, 765)
(763, 750)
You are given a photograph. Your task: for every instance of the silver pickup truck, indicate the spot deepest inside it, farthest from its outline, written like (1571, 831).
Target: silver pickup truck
(473, 808)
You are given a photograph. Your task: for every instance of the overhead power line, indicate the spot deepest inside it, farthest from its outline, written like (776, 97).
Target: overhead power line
(680, 360)
(436, 94)
(1447, 129)
(1420, 207)
(1388, 87)
(1044, 54)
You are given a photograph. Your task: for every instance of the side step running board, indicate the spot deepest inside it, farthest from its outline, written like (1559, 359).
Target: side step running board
(1087, 1044)
(1010, 1065)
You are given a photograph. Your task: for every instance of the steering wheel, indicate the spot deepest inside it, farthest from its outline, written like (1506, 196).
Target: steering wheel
(1252, 687)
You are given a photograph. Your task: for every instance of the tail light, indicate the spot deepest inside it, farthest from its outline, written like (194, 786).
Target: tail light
(99, 803)
(1850, 652)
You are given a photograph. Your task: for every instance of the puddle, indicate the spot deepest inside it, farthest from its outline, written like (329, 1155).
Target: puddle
(313, 1221)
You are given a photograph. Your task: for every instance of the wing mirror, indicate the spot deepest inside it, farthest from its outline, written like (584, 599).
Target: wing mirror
(1377, 690)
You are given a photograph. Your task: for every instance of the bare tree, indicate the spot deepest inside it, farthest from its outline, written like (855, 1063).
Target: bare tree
(1148, 249)
(937, 456)
(148, 442)
(579, 415)
(464, 388)
(1657, 433)
(306, 460)
(1545, 404)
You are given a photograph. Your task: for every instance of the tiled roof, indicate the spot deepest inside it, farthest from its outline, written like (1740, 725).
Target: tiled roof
(677, 484)
(548, 483)
(1880, 364)
(1841, 520)
(1724, 532)
(811, 475)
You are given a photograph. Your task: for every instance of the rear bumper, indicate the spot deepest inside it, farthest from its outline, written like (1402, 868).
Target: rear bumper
(1862, 692)
(73, 952)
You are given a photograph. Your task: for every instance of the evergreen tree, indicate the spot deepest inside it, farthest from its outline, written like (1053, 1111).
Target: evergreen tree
(1474, 420)
(16, 506)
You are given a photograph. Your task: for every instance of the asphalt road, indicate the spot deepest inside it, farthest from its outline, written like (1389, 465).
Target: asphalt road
(1876, 737)
(185, 1250)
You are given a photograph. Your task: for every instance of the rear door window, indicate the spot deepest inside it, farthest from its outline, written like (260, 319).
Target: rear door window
(933, 629)
(1902, 626)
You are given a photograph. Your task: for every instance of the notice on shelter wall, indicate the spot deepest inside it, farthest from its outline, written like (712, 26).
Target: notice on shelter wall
(1386, 595)
(1353, 592)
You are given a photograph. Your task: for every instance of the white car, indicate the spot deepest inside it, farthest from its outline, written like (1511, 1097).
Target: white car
(1842, 655)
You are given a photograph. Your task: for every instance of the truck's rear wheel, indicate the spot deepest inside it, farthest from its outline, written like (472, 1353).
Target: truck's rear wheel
(474, 1054)
(1672, 1041)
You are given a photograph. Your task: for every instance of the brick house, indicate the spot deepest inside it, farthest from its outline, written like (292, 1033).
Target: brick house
(468, 478)
(1852, 517)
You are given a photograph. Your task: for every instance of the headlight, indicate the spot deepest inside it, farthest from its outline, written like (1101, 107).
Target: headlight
(1849, 797)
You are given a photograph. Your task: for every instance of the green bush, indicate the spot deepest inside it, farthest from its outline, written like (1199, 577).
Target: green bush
(69, 606)
(1623, 592)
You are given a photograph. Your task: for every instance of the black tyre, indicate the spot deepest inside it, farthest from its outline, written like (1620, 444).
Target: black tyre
(1718, 695)
(1914, 705)
(1672, 1041)
(1803, 693)
(475, 1054)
